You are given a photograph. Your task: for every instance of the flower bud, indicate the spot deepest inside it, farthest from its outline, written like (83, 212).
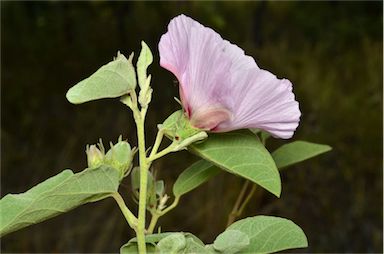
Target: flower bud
(119, 156)
(95, 157)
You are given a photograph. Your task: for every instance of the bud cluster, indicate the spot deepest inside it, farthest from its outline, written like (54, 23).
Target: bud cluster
(119, 156)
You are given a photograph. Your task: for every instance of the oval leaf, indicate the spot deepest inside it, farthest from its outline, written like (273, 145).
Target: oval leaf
(56, 195)
(297, 151)
(243, 154)
(195, 175)
(231, 241)
(112, 80)
(269, 234)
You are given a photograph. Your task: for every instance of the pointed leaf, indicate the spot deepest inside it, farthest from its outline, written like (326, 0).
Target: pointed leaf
(297, 151)
(56, 195)
(145, 59)
(241, 153)
(195, 175)
(269, 234)
(110, 81)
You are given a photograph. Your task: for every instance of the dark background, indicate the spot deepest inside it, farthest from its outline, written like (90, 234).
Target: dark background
(331, 51)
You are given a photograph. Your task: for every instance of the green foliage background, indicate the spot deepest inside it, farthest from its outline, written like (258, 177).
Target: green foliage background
(331, 51)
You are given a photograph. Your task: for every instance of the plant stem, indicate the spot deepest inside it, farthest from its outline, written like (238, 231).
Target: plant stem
(240, 206)
(169, 208)
(159, 138)
(144, 165)
(165, 151)
(247, 199)
(131, 219)
(157, 214)
(152, 225)
(234, 213)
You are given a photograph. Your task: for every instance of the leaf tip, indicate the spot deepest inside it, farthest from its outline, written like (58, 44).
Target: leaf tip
(71, 96)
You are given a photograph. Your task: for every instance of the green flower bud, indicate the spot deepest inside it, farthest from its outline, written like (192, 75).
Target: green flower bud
(95, 157)
(119, 156)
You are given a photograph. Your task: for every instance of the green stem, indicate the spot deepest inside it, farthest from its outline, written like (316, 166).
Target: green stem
(152, 225)
(131, 219)
(144, 165)
(247, 199)
(157, 214)
(159, 138)
(234, 213)
(169, 208)
(169, 149)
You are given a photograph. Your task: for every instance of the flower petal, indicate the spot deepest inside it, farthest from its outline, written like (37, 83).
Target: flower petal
(202, 62)
(173, 45)
(221, 88)
(261, 100)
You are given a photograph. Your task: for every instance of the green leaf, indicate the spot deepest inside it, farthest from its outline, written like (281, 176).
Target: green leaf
(269, 234)
(241, 153)
(112, 80)
(56, 195)
(195, 175)
(172, 244)
(231, 241)
(193, 244)
(145, 59)
(131, 248)
(297, 151)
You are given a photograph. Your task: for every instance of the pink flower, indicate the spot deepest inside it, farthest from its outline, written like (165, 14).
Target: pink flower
(221, 88)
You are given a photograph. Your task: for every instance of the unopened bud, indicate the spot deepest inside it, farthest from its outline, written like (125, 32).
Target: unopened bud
(163, 201)
(95, 157)
(120, 156)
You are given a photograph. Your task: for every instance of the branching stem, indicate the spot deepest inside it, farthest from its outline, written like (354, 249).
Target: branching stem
(247, 199)
(234, 213)
(169, 149)
(241, 203)
(157, 214)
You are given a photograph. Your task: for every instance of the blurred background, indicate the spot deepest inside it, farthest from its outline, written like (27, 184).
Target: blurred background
(331, 51)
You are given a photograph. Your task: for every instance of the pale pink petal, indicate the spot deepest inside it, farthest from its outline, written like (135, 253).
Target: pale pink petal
(262, 101)
(173, 46)
(223, 89)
